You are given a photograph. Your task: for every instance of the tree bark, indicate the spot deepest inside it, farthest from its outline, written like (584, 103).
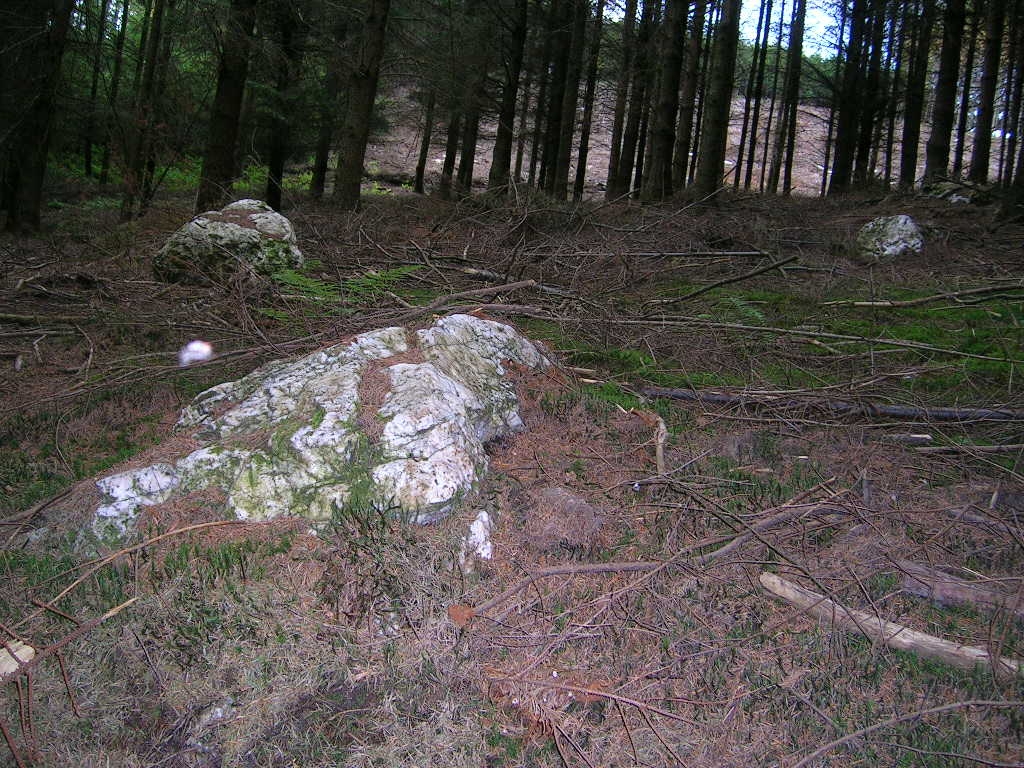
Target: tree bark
(288, 18)
(892, 634)
(111, 118)
(28, 146)
(752, 93)
(329, 106)
(428, 133)
(580, 10)
(965, 95)
(850, 98)
(621, 98)
(588, 103)
(94, 84)
(914, 106)
(936, 163)
(637, 101)
(219, 158)
(755, 119)
(987, 91)
(715, 131)
(688, 96)
(362, 91)
(501, 156)
(658, 174)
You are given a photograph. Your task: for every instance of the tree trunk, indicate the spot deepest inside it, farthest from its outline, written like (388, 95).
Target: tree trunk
(288, 18)
(755, 120)
(588, 103)
(658, 174)
(914, 106)
(560, 32)
(987, 90)
(776, 66)
(580, 10)
(115, 84)
(688, 96)
(637, 102)
(715, 131)
(792, 96)
(965, 96)
(29, 145)
(329, 106)
(145, 106)
(163, 66)
(451, 151)
(873, 99)
(936, 163)
(752, 94)
(94, 85)
(501, 156)
(621, 98)
(1015, 123)
(428, 133)
(362, 91)
(850, 98)
(219, 159)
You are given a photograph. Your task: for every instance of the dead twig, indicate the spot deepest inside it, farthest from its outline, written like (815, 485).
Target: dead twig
(893, 304)
(727, 281)
(845, 407)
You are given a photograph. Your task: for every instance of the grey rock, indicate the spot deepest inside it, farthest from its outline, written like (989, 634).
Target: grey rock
(247, 234)
(886, 239)
(291, 438)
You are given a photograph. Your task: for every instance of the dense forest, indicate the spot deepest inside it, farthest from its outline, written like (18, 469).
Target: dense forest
(125, 92)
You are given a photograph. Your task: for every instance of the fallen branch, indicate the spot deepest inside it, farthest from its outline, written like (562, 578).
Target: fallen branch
(10, 317)
(718, 284)
(920, 580)
(893, 304)
(1010, 448)
(695, 322)
(890, 633)
(445, 300)
(841, 407)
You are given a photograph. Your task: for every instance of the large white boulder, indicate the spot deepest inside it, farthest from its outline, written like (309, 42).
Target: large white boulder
(344, 426)
(245, 234)
(889, 238)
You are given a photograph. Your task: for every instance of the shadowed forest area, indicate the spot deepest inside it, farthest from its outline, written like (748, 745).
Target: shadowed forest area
(796, 471)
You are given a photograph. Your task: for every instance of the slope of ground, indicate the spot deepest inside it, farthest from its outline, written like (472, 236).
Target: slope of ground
(646, 640)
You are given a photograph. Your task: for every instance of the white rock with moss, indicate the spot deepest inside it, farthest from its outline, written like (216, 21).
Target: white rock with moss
(291, 438)
(247, 234)
(889, 238)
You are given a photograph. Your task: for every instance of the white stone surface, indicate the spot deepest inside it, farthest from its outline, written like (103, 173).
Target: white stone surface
(889, 238)
(286, 438)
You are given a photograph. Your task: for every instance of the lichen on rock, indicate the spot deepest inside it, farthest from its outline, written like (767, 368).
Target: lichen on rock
(245, 234)
(287, 440)
(886, 239)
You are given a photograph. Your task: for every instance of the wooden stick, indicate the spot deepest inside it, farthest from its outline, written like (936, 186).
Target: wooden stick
(893, 304)
(840, 406)
(920, 580)
(880, 630)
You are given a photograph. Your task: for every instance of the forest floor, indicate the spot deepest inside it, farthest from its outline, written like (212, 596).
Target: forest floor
(262, 645)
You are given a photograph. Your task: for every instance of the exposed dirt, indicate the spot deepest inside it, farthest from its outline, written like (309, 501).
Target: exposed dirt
(255, 645)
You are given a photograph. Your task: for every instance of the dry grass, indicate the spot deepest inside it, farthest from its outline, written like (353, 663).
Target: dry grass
(262, 645)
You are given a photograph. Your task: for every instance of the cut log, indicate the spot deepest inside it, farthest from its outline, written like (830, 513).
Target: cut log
(892, 634)
(920, 580)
